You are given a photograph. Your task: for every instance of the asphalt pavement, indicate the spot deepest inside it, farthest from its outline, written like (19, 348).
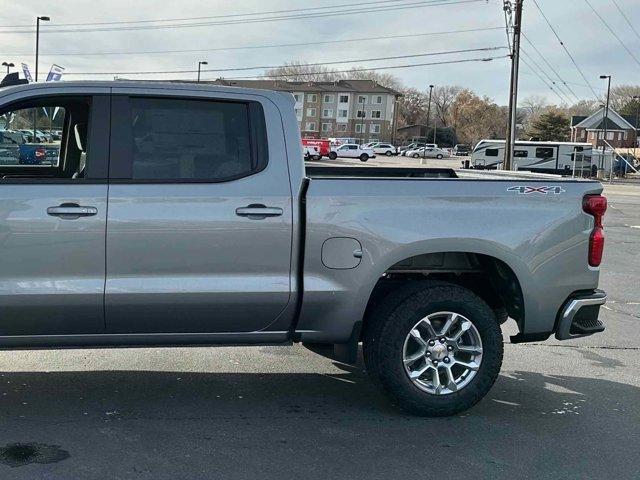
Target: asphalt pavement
(565, 410)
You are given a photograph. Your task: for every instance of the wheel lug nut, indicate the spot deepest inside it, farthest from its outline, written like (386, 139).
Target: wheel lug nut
(450, 348)
(435, 362)
(446, 359)
(428, 354)
(432, 343)
(442, 340)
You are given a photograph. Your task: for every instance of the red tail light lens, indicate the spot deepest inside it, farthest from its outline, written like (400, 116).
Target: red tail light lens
(40, 152)
(595, 205)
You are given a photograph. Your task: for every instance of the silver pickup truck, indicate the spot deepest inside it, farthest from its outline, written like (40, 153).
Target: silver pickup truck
(180, 214)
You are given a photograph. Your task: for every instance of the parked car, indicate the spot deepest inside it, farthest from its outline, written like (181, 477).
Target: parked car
(352, 150)
(461, 150)
(384, 149)
(417, 146)
(219, 234)
(428, 152)
(323, 144)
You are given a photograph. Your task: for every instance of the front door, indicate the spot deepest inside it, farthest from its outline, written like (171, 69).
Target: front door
(53, 205)
(199, 229)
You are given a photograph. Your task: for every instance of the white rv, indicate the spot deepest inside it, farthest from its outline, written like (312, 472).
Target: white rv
(545, 157)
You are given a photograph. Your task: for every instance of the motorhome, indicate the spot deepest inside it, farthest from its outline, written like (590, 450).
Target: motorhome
(544, 157)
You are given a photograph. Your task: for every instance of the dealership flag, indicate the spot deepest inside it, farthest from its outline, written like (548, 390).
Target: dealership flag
(27, 72)
(55, 74)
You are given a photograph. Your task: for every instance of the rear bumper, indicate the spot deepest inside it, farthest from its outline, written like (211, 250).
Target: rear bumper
(579, 315)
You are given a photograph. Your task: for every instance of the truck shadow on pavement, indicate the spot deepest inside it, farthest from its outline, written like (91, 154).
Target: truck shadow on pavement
(159, 417)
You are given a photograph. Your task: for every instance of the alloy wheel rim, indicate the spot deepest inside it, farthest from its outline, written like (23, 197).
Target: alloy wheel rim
(442, 353)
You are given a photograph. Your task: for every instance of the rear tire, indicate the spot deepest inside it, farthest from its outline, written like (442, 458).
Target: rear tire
(388, 153)
(333, 155)
(364, 157)
(317, 157)
(387, 337)
(415, 155)
(439, 156)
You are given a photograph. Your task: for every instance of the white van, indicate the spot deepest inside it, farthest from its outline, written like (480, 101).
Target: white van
(544, 157)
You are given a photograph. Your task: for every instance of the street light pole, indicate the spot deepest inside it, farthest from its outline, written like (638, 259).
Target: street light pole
(606, 115)
(426, 129)
(8, 65)
(199, 64)
(38, 19)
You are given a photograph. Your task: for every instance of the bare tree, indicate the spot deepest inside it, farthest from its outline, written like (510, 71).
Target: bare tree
(443, 98)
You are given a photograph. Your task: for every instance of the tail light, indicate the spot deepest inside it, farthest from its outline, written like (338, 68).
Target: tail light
(595, 205)
(41, 153)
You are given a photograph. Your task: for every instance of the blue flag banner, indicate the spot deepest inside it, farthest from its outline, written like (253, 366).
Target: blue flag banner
(55, 74)
(27, 72)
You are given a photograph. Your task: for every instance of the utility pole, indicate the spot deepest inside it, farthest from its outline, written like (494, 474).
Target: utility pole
(426, 129)
(199, 65)
(513, 87)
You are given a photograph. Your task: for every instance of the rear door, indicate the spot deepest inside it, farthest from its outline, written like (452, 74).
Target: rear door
(53, 219)
(199, 231)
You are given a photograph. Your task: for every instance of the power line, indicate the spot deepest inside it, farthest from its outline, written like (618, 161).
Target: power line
(335, 62)
(626, 19)
(374, 69)
(534, 72)
(252, 47)
(575, 64)
(228, 15)
(333, 13)
(555, 72)
(558, 92)
(624, 45)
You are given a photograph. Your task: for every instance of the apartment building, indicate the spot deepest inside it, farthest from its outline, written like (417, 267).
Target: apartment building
(360, 109)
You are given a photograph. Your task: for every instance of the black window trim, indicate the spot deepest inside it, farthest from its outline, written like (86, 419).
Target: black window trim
(121, 158)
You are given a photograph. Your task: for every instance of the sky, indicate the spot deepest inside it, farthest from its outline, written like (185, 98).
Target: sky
(594, 48)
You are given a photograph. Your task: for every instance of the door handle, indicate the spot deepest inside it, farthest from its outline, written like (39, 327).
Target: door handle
(71, 211)
(258, 211)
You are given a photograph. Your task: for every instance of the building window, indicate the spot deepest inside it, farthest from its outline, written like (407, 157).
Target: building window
(342, 127)
(361, 114)
(297, 97)
(583, 134)
(376, 114)
(600, 135)
(374, 128)
(310, 126)
(342, 114)
(359, 127)
(344, 98)
(327, 99)
(362, 99)
(610, 135)
(311, 112)
(298, 113)
(327, 113)
(326, 127)
(624, 136)
(312, 98)
(377, 99)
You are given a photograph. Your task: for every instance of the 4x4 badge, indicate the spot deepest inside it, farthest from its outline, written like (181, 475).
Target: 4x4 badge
(526, 190)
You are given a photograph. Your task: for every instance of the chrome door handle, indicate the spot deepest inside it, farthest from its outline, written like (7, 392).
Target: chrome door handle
(258, 211)
(71, 211)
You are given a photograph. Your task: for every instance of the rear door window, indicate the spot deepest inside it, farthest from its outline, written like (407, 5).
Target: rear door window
(184, 140)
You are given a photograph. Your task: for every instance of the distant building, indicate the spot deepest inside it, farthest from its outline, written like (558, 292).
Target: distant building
(621, 129)
(360, 109)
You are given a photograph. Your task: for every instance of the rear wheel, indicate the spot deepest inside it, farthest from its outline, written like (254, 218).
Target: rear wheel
(435, 348)
(317, 157)
(364, 157)
(415, 155)
(388, 153)
(439, 156)
(333, 155)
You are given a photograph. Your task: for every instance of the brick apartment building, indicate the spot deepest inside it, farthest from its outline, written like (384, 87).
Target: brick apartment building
(359, 109)
(621, 129)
